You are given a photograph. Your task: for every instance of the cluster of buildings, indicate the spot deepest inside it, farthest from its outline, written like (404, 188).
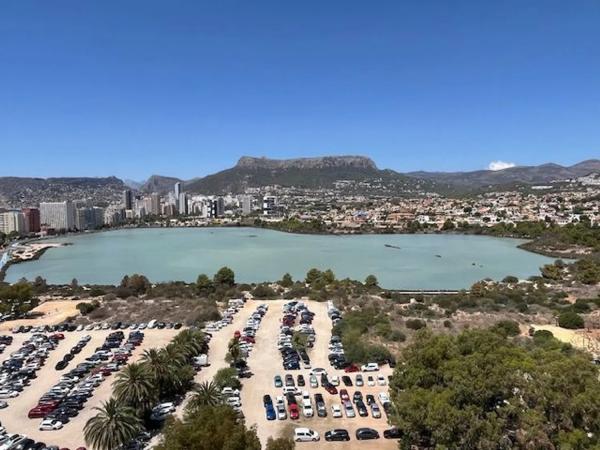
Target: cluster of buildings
(341, 212)
(60, 217)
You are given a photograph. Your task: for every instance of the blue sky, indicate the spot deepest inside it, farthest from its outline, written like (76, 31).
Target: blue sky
(185, 88)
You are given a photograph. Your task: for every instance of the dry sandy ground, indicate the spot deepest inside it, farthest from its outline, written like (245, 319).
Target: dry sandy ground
(265, 363)
(578, 338)
(54, 312)
(15, 419)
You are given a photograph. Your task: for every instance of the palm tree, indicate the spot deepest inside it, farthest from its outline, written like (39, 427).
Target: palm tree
(134, 386)
(114, 425)
(175, 354)
(206, 393)
(157, 364)
(191, 342)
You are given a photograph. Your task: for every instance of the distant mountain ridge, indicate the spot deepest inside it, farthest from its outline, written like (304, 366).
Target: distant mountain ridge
(359, 172)
(354, 174)
(544, 173)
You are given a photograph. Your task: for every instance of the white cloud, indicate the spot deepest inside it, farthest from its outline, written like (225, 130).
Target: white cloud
(500, 165)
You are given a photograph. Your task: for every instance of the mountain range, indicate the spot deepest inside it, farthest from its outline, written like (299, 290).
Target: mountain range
(353, 174)
(359, 170)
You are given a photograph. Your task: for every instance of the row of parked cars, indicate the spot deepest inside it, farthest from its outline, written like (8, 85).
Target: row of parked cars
(292, 358)
(18, 370)
(5, 341)
(339, 434)
(20, 442)
(62, 364)
(69, 327)
(66, 398)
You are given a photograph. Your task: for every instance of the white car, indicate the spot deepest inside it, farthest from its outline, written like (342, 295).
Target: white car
(383, 398)
(314, 383)
(335, 380)
(50, 425)
(370, 367)
(166, 407)
(307, 410)
(230, 392)
(336, 410)
(318, 371)
(233, 401)
(5, 393)
(370, 381)
(306, 435)
(381, 381)
(12, 441)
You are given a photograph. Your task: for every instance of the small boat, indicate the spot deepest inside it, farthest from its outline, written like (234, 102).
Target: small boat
(392, 246)
(438, 256)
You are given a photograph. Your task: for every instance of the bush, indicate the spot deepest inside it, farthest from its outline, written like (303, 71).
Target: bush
(227, 377)
(415, 324)
(570, 320)
(264, 291)
(86, 308)
(447, 324)
(507, 328)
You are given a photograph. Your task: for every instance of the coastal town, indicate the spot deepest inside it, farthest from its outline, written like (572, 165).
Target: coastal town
(327, 210)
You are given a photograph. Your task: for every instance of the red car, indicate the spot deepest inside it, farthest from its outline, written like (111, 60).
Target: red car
(249, 339)
(344, 395)
(40, 412)
(294, 412)
(57, 336)
(352, 368)
(331, 389)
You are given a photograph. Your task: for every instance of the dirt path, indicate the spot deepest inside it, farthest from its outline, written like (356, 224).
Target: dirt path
(54, 312)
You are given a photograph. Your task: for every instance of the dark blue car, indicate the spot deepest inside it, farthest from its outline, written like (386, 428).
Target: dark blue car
(270, 411)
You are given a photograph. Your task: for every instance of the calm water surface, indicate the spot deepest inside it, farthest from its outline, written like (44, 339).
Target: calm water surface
(259, 255)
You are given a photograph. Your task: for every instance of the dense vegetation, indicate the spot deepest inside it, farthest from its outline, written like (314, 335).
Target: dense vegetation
(482, 390)
(161, 375)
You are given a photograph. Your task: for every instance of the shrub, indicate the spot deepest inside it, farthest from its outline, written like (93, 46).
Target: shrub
(415, 324)
(570, 320)
(507, 328)
(227, 377)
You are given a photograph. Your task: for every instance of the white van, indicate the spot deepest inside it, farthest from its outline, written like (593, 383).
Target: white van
(152, 324)
(305, 435)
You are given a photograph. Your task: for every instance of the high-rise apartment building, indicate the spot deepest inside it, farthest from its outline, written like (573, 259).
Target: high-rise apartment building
(217, 207)
(155, 204)
(128, 199)
(183, 203)
(177, 190)
(246, 204)
(58, 215)
(32, 219)
(269, 205)
(12, 222)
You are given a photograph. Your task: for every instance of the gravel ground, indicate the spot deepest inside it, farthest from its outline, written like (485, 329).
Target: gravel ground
(15, 419)
(265, 363)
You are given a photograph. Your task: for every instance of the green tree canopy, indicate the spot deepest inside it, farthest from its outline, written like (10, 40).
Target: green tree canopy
(371, 281)
(480, 390)
(286, 280)
(209, 428)
(224, 277)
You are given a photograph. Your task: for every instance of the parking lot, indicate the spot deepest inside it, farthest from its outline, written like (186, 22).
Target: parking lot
(15, 417)
(265, 362)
